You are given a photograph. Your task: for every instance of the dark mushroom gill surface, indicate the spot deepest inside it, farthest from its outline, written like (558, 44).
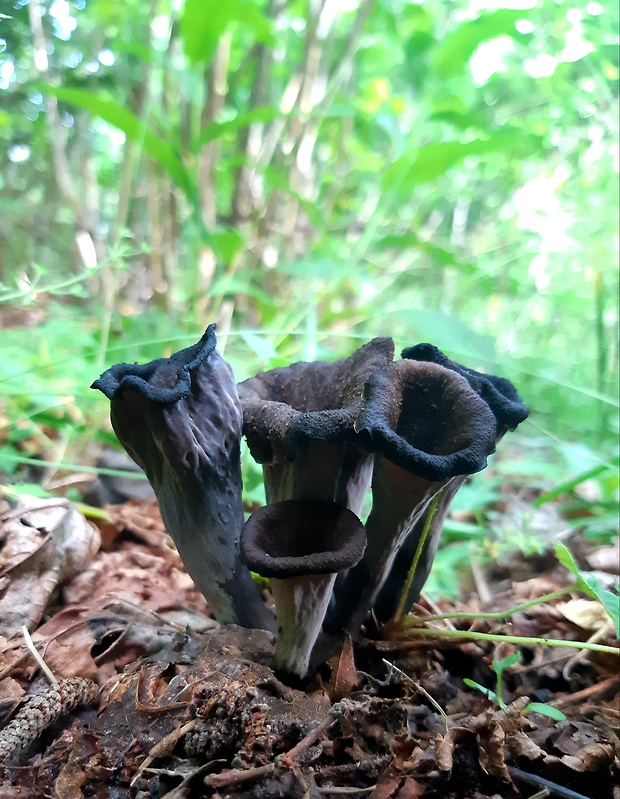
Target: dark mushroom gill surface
(416, 426)
(301, 537)
(509, 411)
(180, 419)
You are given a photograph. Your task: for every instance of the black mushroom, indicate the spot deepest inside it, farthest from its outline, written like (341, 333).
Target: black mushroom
(429, 430)
(418, 427)
(509, 411)
(180, 419)
(301, 545)
(299, 422)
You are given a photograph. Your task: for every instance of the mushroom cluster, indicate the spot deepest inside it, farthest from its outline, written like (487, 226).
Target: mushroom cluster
(411, 430)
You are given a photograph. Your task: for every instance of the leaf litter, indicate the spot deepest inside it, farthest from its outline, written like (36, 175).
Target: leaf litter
(154, 699)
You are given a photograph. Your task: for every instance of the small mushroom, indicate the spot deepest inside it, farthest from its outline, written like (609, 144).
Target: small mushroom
(301, 545)
(180, 419)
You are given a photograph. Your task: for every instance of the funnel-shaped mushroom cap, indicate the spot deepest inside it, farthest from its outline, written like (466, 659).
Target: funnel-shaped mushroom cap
(299, 421)
(319, 400)
(298, 537)
(180, 419)
(301, 546)
(509, 411)
(499, 393)
(429, 428)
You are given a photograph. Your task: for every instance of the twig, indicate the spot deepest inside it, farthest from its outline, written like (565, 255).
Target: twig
(344, 790)
(163, 747)
(225, 779)
(586, 693)
(541, 782)
(412, 621)
(35, 654)
(420, 688)
(578, 658)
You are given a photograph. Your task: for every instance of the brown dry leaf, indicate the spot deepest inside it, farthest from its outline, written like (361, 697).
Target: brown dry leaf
(491, 751)
(346, 677)
(386, 788)
(398, 788)
(139, 577)
(444, 750)
(70, 781)
(575, 735)
(10, 690)
(585, 613)
(67, 650)
(521, 745)
(141, 519)
(46, 541)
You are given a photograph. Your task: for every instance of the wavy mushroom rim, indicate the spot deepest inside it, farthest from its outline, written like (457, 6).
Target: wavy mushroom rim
(500, 394)
(126, 375)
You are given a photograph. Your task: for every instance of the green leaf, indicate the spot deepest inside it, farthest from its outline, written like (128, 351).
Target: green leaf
(132, 126)
(545, 710)
(453, 53)
(226, 243)
(216, 129)
(589, 584)
(573, 482)
(506, 663)
(433, 160)
(410, 240)
(31, 489)
(205, 21)
(486, 691)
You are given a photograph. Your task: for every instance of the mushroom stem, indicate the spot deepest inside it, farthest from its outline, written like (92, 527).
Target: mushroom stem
(392, 595)
(301, 604)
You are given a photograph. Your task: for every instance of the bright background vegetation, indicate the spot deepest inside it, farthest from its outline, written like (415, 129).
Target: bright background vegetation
(309, 175)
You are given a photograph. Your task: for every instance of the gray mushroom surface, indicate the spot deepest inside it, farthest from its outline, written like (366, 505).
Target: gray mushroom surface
(180, 419)
(429, 428)
(301, 546)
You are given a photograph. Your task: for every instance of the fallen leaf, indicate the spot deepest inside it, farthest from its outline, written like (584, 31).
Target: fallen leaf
(346, 673)
(585, 613)
(46, 542)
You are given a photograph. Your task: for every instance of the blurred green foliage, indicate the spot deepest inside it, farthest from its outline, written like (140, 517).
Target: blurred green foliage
(310, 174)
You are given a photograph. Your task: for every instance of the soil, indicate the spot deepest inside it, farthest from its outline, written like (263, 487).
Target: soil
(154, 699)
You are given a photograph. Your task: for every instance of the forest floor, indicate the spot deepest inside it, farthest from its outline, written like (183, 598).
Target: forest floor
(153, 699)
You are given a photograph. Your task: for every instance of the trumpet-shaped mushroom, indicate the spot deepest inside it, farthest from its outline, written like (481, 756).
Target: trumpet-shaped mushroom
(300, 420)
(180, 419)
(301, 546)
(509, 411)
(429, 429)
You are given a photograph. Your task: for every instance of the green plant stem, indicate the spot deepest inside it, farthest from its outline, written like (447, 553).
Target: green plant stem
(517, 639)
(72, 466)
(416, 558)
(90, 512)
(498, 614)
(568, 485)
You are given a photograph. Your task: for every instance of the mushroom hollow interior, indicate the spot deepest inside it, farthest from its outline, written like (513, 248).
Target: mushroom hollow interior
(302, 537)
